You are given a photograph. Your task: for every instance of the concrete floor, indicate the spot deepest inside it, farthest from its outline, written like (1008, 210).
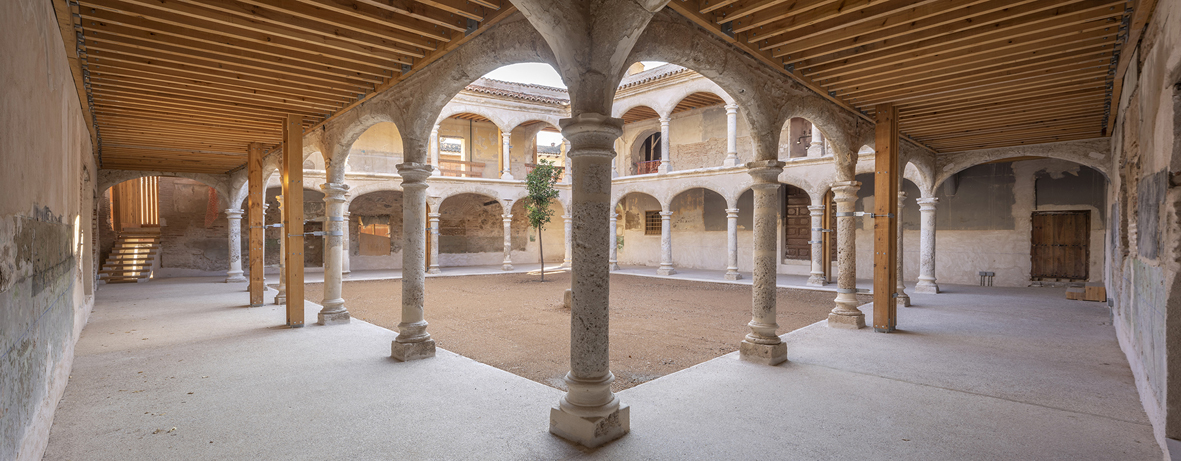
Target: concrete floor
(975, 373)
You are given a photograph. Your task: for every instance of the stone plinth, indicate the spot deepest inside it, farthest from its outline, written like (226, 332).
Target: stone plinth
(590, 432)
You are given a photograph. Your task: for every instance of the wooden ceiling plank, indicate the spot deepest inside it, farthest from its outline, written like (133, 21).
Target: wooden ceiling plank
(156, 73)
(401, 31)
(982, 59)
(969, 12)
(744, 9)
(1047, 23)
(423, 21)
(487, 3)
(259, 54)
(1013, 96)
(1093, 130)
(1079, 120)
(457, 7)
(163, 23)
(874, 14)
(1066, 72)
(786, 18)
(413, 10)
(715, 4)
(144, 123)
(158, 97)
(136, 107)
(1016, 110)
(926, 132)
(116, 96)
(211, 88)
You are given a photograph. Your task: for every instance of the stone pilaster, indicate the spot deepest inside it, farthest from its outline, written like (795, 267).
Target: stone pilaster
(762, 344)
(234, 217)
(816, 148)
(816, 275)
(613, 258)
(281, 296)
(346, 251)
(903, 298)
(664, 146)
(846, 314)
(508, 242)
(506, 171)
(926, 282)
(731, 135)
(666, 244)
(413, 342)
(568, 222)
(732, 245)
(333, 312)
(589, 413)
(434, 220)
(434, 148)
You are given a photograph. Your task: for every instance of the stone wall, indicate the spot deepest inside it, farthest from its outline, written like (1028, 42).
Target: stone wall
(193, 230)
(1143, 245)
(47, 270)
(377, 150)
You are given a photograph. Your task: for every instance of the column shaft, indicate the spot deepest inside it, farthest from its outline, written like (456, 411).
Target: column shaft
(346, 249)
(816, 147)
(567, 220)
(413, 342)
(434, 220)
(816, 276)
(732, 244)
(731, 135)
(434, 151)
(903, 298)
(664, 149)
(666, 244)
(762, 344)
(506, 147)
(926, 282)
(281, 296)
(234, 217)
(508, 243)
(333, 312)
(613, 241)
(845, 314)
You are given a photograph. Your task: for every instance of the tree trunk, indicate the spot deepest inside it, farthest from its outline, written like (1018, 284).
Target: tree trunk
(541, 253)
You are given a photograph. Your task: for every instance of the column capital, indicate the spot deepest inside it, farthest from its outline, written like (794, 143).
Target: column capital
(816, 210)
(506, 135)
(765, 171)
(335, 191)
(901, 194)
(664, 121)
(614, 216)
(435, 129)
(666, 214)
(591, 134)
(414, 174)
(731, 212)
(846, 191)
(507, 217)
(567, 217)
(234, 213)
(731, 108)
(927, 203)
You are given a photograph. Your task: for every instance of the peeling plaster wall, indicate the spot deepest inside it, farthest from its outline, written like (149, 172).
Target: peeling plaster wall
(1144, 245)
(46, 225)
(983, 220)
(378, 150)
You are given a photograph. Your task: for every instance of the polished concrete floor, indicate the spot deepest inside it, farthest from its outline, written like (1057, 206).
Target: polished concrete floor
(181, 369)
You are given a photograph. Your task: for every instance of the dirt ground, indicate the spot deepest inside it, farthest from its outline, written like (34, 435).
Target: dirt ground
(517, 323)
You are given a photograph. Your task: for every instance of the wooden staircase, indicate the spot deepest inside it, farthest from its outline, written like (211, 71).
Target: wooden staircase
(135, 255)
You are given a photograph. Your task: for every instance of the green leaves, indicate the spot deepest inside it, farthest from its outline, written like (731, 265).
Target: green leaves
(539, 184)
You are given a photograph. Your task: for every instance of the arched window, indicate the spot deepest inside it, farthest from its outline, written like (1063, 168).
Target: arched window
(650, 155)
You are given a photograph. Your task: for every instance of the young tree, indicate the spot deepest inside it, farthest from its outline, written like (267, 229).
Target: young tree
(539, 184)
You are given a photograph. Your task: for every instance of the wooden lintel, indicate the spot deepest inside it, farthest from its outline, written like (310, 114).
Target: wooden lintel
(885, 222)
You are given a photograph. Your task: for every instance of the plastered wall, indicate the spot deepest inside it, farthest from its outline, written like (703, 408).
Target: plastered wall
(46, 225)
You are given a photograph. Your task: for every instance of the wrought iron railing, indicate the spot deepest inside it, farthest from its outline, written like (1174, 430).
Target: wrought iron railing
(647, 167)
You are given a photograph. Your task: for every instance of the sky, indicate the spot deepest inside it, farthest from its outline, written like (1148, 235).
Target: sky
(540, 74)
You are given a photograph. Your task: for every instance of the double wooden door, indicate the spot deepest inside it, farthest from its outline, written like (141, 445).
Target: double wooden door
(1060, 245)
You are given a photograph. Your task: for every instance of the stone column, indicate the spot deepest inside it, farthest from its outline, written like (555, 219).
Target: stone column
(345, 243)
(762, 344)
(613, 258)
(816, 148)
(234, 274)
(567, 219)
(664, 153)
(434, 148)
(413, 342)
(731, 135)
(589, 410)
(506, 171)
(846, 314)
(281, 296)
(926, 283)
(333, 312)
(666, 244)
(903, 298)
(732, 244)
(816, 276)
(434, 219)
(508, 243)
(566, 173)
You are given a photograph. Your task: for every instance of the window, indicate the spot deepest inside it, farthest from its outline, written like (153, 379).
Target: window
(651, 223)
(374, 238)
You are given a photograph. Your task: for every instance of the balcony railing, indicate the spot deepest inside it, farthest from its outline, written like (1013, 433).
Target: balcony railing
(461, 169)
(647, 167)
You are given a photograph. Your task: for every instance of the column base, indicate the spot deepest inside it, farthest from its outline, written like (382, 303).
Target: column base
(281, 299)
(763, 354)
(846, 321)
(733, 276)
(405, 352)
(731, 160)
(434, 270)
(236, 279)
(666, 271)
(333, 318)
(506, 176)
(613, 267)
(926, 287)
(902, 299)
(817, 280)
(568, 298)
(590, 432)
(506, 267)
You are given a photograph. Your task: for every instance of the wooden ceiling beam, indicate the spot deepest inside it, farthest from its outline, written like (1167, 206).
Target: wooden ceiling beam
(212, 89)
(458, 7)
(1070, 72)
(711, 5)
(1045, 107)
(135, 110)
(1035, 132)
(874, 14)
(1081, 120)
(150, 122)
(1000, 122)
(154, 99)
(786, 18)
(1020, 95)
(425, 36)
(404, 15)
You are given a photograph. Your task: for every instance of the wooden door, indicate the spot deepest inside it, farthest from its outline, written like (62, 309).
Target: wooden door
(797, 226)
(1060, 245)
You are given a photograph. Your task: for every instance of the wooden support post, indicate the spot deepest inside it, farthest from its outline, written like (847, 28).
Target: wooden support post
(293, 216)
(256, 222)
(885, 224)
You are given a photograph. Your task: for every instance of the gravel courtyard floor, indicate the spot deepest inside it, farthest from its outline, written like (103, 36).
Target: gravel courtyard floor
(517, 323)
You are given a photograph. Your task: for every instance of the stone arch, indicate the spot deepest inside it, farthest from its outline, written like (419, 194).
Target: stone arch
(686, 89)
(619, 193)
(620, 111)
(491, 193)
(672, 194)
(675, 39)
(451, 110)
(220, 183)
(1093, 153)
(338, 141)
